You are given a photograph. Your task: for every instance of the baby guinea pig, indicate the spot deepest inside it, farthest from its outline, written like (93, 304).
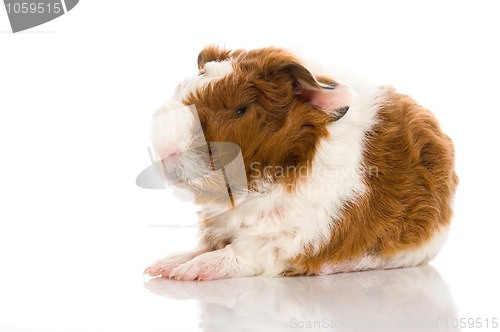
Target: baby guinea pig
(341, 175)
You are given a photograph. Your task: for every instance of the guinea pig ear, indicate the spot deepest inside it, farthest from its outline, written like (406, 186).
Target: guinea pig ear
(332, 97)
(212, 53)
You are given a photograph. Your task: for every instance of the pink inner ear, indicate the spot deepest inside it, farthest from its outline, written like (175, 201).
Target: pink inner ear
(328, 100)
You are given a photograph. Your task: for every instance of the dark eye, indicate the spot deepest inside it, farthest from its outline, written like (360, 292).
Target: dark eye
(241, 110)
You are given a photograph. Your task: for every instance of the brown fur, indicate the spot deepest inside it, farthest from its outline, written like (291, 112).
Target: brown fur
(265, 81)
(410, 196)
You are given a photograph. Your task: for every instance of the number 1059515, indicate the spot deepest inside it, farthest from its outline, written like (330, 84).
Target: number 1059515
(32, 8)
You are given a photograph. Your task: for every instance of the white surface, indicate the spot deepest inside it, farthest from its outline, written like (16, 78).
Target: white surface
(76, 95)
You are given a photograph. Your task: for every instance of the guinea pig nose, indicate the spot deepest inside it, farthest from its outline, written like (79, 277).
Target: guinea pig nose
(170, 159)
(169, 152)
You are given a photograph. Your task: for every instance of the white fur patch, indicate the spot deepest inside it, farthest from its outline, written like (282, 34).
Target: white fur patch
(172, 125)
(213, 70)
(218, 69)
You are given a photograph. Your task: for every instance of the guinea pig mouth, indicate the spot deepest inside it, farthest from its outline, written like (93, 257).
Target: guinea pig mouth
(171, 161)
(215, 172)
(186, 166)
(205, 163)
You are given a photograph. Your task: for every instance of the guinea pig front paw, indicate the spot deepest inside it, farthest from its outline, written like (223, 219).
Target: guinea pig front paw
(159, 269)
(163, 267)
(209, 266)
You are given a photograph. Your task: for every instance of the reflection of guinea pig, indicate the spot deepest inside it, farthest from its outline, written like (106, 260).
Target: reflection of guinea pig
(341, 175)
(404, 300)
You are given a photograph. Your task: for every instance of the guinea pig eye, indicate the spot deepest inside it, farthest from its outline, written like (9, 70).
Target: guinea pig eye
(241, 110)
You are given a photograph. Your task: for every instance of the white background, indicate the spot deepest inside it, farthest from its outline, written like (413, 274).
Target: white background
(76, 96)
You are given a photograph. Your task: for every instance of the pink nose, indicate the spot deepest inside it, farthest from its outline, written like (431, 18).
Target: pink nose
(169, 151)
(170, 157)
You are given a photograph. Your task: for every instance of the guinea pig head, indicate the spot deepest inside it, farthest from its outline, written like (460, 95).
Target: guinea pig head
(264, 101)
